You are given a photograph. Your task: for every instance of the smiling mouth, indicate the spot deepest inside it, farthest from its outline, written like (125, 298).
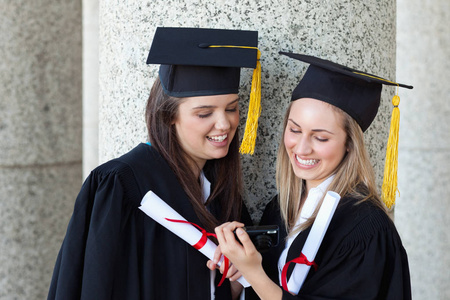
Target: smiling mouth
(307, 162)
(218, 138)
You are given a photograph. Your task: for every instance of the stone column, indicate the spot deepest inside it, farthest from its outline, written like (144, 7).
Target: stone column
(357, 33)
(422, 213)
(90, 85)
(40, 139)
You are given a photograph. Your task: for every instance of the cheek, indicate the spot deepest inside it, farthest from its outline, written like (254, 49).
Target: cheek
(289, 140)
(335, 153)
(234, 120)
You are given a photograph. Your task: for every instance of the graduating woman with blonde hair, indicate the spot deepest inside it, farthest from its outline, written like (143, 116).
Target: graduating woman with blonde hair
(322, 149)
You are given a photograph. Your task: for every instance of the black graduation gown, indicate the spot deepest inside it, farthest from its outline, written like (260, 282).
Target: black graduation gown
(112, 250)
(361, 256)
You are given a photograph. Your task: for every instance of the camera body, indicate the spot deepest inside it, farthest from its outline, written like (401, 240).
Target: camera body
(263, 237)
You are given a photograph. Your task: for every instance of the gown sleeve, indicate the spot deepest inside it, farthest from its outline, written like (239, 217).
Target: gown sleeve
(85, 264)
(369, 263)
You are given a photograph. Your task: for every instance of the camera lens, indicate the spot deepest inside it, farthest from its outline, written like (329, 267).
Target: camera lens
(262, 242)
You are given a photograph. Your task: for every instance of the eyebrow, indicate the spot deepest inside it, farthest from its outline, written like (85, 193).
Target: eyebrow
(213, 106)
(314, 130)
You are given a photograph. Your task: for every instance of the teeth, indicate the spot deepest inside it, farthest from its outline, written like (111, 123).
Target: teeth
(307, 162)
(219, 138)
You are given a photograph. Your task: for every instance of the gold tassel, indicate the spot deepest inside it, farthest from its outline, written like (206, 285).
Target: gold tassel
(254, 111)
(389, 187)
(254, 106)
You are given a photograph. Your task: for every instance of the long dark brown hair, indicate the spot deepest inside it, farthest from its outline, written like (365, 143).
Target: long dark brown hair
(224, 173)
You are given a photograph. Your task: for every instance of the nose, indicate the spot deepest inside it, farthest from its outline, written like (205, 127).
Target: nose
(303, 146)
(222, 122)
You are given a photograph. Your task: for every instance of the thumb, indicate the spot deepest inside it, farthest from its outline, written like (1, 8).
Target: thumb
(244, 238)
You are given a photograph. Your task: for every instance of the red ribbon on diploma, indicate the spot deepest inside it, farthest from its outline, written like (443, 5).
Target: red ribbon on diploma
(299, 260)
(202, 243)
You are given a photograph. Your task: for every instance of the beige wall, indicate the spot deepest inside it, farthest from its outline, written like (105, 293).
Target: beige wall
(422, 213)
(90, 85)
(40, 138)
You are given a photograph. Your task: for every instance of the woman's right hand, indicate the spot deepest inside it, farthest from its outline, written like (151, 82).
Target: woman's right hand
(246, 259)
(242, 253)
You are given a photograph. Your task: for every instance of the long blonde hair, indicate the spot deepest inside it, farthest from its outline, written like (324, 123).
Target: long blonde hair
(354, 176)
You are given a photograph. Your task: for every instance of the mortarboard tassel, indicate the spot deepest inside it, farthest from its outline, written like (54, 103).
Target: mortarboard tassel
(389, 187)
(254, 111)
(254, 106)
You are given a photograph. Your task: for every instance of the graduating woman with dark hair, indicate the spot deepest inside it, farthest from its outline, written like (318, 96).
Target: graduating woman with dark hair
(112, 250)
(322, 149)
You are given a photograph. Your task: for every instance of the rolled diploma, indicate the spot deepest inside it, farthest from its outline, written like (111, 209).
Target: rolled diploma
(158, 210)
(314, 239)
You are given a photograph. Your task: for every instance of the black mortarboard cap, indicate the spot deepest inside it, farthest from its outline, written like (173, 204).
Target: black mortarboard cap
(193, 65)
(204, 61)
(355, 92)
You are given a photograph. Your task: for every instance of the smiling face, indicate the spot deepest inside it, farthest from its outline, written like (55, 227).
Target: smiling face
(315, 140)
(206, 126)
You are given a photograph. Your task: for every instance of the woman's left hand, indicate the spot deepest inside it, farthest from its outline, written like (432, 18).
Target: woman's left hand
(232, 274)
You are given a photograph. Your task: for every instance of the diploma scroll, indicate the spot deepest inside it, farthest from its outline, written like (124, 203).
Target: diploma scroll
(314, 239)
(160, 211)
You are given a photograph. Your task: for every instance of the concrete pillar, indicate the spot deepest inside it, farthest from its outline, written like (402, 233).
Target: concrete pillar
(40, 139)
(90, 85)
(357, 33)
(353, 33)
(422, 213)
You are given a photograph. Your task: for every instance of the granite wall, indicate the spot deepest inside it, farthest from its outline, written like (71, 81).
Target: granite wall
(357, 33)
(40, 139)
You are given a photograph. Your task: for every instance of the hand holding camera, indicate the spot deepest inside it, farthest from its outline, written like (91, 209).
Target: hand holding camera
(263, 237)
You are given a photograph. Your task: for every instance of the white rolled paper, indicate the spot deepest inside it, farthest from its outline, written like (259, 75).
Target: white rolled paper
(158, 210)
(314, 239)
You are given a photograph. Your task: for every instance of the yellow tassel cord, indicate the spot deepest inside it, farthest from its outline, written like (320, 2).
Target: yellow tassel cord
(254, 111)
(389, 187)
(254, 106)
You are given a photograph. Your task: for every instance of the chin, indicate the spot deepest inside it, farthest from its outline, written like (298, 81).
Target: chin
(219, 155)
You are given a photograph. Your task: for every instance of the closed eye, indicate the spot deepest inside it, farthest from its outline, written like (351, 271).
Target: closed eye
(204, 115)
(295, 130)
(321, 139)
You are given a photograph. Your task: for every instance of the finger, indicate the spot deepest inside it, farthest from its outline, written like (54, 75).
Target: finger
(211, 265)
(235, 276)
(228, 231)
(219, 235)
(231, 271)
(245, 240)
(219, 230)
(217, 255)
(233, 225)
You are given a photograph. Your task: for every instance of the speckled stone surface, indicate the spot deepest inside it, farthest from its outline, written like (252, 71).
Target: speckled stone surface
(357, 33)
(423, 208)
(40, 111)
(40, 139)
(35, 208)
(90, 85)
